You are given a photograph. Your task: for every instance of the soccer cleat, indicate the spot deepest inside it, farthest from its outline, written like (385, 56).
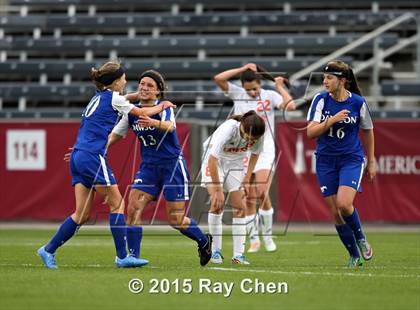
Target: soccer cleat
(239, 260)
(365, 249)
(205, 252)
(216, 257)
(254, 246)
(130, 262)
(354, 262)
(270, 246)
(47, 258)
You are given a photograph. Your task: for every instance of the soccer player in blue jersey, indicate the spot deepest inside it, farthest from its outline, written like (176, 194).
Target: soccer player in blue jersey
(88, 164)
(335, 117)
(163, 167)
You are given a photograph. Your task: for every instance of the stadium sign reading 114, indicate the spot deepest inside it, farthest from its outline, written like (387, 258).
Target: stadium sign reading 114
(25, 150)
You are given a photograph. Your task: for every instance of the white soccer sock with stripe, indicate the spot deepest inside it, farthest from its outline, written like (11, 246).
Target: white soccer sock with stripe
(266, 221)
(216, 230)
(239, 235)
(252, 227)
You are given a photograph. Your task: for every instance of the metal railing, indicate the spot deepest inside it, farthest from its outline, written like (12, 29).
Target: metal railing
(378, 54)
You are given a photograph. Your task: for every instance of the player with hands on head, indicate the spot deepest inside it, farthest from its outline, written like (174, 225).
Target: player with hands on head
(335, 118)
(251, 96)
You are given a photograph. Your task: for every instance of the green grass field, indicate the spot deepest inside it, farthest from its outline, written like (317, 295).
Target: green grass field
(312, 267)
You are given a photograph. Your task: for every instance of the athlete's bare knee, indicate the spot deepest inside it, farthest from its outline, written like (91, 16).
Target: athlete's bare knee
(80, 219)
(175, 221)
(344, 206)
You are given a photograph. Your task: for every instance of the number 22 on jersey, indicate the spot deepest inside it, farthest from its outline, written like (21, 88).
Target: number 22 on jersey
(263, 105)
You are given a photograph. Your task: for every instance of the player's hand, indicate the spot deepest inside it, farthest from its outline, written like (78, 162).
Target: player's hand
(245, 187)
(167, 104)
(341, 116)
(146, 121)
(67, 155)
(280, 81)
(217, 198)
(371, 170)
(250, 66)
(133, 97)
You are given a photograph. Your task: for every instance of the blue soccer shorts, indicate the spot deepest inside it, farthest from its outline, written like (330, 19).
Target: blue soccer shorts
(170, 177)
(90, 169)
(335, 171)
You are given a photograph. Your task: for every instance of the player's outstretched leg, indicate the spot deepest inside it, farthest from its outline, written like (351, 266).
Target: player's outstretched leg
(347, 238)
(353, 221)
(204, 242)
(63, 234)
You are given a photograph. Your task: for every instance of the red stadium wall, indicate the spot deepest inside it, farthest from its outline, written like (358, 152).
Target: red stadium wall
(393, 196)
(45, 193)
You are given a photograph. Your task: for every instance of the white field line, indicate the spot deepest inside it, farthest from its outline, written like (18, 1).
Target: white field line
(309, 273)
(327, 274)
(72, 266)
(106, 242)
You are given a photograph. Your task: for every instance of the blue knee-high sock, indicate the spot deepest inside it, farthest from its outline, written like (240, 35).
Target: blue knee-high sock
(354, 222)
(134, 236)
(195, 233)
(347, 238)
(64, 233)
(119, 233)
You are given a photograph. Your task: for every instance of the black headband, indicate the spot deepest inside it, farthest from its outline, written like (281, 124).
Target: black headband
(155, 77)
(108, 78)
(336, 72)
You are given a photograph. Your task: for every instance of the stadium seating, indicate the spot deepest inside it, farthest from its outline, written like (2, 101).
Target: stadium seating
(396, 88)
(47, 47)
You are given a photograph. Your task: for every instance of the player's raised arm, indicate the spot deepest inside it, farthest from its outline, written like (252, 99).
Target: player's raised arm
(136, 111)
(288, 104)
(222, 78)
(132, 97)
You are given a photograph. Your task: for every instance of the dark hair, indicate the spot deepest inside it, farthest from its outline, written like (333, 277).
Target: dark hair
(159, 80)
(342, 70)
(106, 74)
(252, 123)
(262, 73)
(249, 76)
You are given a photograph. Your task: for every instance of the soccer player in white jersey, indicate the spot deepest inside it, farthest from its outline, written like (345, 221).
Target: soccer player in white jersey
(222, 171)
(335, 118)
(88, 165)
(252, 97)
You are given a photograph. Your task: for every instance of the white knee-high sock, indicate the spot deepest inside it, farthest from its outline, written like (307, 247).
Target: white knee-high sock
(239, 235)
(252, 227)
(216, 230)
(266, 221)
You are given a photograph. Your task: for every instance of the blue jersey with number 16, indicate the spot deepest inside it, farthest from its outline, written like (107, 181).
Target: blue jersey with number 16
(343, 137)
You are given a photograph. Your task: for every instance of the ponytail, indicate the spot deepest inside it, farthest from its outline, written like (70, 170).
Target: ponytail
(352, 85)
(264, 74)
(106, 74)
